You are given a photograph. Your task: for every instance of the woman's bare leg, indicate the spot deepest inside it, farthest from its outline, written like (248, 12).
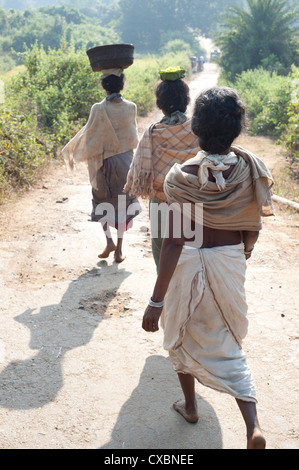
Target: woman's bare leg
(118, 256)
(255, 438)
(110, 246)
(188, 407)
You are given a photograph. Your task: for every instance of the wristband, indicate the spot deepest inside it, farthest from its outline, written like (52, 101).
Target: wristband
(248, 252)
(156, 304)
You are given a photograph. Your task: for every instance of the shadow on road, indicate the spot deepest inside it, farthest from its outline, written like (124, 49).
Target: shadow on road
(55, 330)
(148, 421)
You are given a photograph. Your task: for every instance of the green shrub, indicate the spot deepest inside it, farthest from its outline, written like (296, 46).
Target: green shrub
(272, 103)
(22, 153)
(141, 78)
(266, 96)
(58, 88)
(291, 135)
(50, 100)
(176, 46)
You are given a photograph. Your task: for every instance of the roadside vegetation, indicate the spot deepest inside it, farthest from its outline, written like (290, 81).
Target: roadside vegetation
(49, 100)
(260, 58)
(49, 85)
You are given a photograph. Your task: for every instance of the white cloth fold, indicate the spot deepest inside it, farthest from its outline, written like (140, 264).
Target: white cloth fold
(222, 269)
(113, 71)
(204, 319)
(217, 164)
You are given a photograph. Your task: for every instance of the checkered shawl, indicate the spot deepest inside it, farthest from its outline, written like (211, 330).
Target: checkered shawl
(159, 149)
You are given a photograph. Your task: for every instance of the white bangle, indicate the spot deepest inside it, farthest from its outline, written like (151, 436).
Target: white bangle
(156, 304)
(248, 252)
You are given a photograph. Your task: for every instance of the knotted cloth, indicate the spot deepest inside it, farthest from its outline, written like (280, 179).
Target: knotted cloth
(236, 204)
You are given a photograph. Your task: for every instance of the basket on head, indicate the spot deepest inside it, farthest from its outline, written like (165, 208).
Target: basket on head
(111, 56)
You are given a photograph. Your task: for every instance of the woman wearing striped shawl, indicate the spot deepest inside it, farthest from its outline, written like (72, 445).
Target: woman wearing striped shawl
(163, 144)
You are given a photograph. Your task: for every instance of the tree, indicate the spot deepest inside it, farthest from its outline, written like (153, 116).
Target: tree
(147, 23)
(142, 23)
(50, 27)
(265, 29)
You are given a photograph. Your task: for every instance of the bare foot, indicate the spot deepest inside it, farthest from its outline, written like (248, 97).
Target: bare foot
(118, 257)
(107, 251)
(191, 415)
(257, 440)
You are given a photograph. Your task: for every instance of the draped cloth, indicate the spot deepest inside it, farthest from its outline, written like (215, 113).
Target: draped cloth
(161, 146)
(204, 319)
(217, 164)
(111, 129)
(236, 205)
(204, 315)
(117, 71)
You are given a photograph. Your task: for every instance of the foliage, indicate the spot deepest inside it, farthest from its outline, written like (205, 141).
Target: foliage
(49, 100)
(140, 81)
(177, 45)
(45, 105)
(49, 26)
(25, 4)
(291, 135)
(272, 103)
(21, 152)
(151, 23)
(264, 33)
(58, 87)
(267, 96)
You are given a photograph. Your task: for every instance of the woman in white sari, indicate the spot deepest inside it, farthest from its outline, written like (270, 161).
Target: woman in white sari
(200, 283)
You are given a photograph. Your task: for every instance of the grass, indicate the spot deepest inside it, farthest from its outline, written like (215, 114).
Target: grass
(284, 170)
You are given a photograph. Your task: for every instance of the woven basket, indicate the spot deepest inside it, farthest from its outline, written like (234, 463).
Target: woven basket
(111, 56)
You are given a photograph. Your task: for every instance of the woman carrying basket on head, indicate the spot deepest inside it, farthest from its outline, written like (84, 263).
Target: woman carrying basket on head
(163, 144)
(106, 144)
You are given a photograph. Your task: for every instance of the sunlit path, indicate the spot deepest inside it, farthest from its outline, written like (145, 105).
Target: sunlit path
(203, 80)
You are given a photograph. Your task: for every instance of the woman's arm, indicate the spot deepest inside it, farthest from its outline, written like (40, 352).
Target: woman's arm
(170, 253)
(249, 240)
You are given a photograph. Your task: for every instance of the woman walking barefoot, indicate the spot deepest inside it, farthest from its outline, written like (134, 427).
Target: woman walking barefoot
(106, 144)
(164, 143)
(200, 281)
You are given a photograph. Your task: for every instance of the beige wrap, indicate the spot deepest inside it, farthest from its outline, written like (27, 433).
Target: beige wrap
(204, 319)
(239, 206)
(111, 129)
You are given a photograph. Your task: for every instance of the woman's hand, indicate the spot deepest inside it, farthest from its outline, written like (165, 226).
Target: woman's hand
(170, 252)
(151, 318)
(249, 240)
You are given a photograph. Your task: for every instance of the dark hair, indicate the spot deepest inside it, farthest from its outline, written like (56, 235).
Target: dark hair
(113, 83)
(172, 96)
(218, 118)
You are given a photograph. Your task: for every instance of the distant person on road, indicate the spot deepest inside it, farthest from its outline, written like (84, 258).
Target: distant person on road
(193, 64)
(106, 144)
(200, 285)
(200, 63)
(163, 144)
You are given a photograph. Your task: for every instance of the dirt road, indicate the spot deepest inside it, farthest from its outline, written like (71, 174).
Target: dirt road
(77, 370)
